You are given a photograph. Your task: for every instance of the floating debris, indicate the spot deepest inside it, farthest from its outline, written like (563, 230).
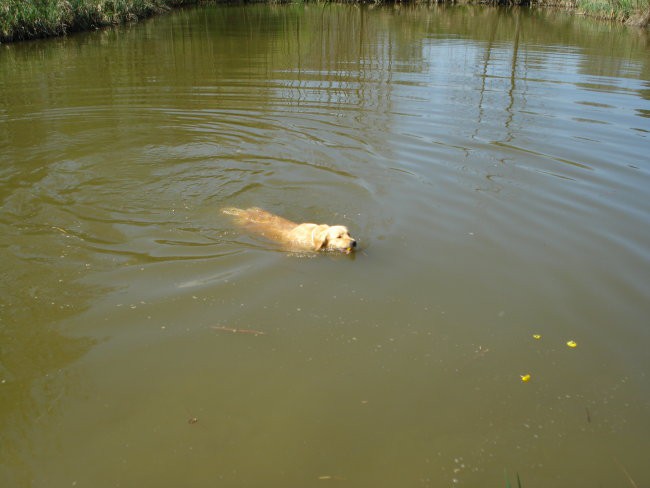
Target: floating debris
(537, 336)
(525, 377)
(572, 344)
(480, 352)
(238, 331)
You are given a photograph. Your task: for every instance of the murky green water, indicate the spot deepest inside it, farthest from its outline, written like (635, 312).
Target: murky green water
(493, 166)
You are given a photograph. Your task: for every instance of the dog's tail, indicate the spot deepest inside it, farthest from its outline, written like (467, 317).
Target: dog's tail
(236, 212)
(254, 215)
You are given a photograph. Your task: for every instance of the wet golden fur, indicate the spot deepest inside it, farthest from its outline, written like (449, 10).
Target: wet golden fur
(305, 237)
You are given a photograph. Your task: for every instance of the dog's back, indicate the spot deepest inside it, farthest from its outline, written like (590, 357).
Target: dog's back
(265, 223)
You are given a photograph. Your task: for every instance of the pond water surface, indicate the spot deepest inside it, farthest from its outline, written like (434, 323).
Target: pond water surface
(493, 165)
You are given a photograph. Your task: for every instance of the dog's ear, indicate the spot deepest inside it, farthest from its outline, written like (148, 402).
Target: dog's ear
(320, 237)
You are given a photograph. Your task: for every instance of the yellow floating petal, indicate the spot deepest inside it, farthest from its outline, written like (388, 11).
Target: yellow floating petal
(537, 336)
(571, 344)
(525, 378)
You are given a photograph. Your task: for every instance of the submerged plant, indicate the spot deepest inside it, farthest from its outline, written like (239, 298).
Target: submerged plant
(508, 485)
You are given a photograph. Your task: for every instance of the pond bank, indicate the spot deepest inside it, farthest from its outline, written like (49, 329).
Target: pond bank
(30, 19)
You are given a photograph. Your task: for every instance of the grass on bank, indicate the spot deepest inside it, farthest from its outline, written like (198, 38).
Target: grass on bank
(26, 19)
(635, 12)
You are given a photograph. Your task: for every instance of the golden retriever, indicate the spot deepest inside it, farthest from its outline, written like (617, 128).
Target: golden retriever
(303, 237)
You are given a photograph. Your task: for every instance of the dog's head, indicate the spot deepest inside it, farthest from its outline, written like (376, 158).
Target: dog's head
(334, 238)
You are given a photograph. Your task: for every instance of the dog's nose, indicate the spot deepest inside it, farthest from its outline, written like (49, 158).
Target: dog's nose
(354, 243)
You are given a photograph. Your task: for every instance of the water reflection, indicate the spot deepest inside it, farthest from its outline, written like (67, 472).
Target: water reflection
(492, 162)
